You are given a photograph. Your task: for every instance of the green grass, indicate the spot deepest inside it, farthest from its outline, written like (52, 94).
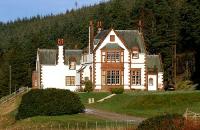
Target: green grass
(148, 104)
(96, 95)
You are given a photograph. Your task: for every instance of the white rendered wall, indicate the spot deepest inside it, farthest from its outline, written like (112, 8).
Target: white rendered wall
(54, 77)
(154, 86)
(139, 64)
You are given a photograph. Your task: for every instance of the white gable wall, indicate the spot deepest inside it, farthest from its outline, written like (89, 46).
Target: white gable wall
(54, 77)
(98, 61)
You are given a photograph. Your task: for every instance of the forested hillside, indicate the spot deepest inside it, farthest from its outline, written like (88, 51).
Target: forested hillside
(164, 22)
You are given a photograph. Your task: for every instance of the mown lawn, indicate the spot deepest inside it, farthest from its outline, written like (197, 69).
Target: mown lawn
(56, 121)
(148, 104)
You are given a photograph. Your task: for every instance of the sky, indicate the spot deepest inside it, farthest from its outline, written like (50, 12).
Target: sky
(13, 9)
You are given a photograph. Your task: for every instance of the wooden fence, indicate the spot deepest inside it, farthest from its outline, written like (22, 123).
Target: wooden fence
(98, 125)
(191, 115)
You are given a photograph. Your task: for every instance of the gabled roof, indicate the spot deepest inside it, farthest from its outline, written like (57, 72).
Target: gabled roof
(132, 38)
(74, 54)
(154, 62)
(50, 56)
(47, 56)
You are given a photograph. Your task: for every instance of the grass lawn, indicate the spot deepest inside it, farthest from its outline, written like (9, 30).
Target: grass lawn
(148, 104)
(56, 121)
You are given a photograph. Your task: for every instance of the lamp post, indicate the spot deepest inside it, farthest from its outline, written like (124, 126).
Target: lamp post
(10, 78)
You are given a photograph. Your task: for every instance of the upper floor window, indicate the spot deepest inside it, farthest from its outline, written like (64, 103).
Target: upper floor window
(112, 38)
(135, 55)
(113, 56)
(72, 63)
(135, 52)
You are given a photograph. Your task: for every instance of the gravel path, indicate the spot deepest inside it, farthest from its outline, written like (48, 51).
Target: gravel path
(113, 116)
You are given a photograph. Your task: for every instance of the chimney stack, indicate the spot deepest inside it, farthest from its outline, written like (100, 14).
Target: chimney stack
(140, 26)
(91, 37)
(99, 26)
(60, 44)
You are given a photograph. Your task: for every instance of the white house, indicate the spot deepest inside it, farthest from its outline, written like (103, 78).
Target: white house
(114, 58)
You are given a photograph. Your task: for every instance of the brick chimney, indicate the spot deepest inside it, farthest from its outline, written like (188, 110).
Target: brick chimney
(60, 44)
(99, 26)
(91, 37)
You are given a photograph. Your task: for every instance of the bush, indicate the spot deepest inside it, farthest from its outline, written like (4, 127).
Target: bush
(49, 102)
(117, 90)
(164, 122)
(88, 86)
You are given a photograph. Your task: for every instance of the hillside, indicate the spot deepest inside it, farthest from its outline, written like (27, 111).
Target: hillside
(164, 23)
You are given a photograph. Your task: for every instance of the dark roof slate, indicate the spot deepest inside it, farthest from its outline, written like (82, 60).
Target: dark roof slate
(153, 61)
(131, 37)
(111, 46)
(49, 56)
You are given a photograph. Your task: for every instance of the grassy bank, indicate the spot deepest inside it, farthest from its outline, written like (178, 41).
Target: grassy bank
(148, 104)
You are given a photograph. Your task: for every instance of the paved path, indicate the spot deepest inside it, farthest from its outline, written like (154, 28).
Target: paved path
(113, 116)
(108, 97)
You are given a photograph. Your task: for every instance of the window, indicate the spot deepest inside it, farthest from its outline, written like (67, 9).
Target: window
(72, 63)
(86, 78)
(136, 77)
(135, 55)
(103, 56)
(113, 56)
(70, 80)
(112, 38)
(151, 82)
(111, 77)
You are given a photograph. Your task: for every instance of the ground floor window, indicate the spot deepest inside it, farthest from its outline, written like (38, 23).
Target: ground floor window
(112, 77)
(136, 77)
(151, 82)
(70, 80)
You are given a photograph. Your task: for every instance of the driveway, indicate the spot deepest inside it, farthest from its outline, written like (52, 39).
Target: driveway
(113, 116)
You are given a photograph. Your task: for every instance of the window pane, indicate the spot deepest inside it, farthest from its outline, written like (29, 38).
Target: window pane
(136, 77)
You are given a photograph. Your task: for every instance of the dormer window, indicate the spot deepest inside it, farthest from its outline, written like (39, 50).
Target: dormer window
(72, 63)
(135, 53)
(112, 38)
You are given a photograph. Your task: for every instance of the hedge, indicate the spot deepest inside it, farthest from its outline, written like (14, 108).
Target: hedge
(49, 102)
(119, 90)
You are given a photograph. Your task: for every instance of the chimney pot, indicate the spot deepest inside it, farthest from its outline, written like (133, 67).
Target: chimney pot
(60, 42)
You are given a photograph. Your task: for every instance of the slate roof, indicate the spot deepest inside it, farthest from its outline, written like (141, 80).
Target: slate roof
(153, 61)
(50, 56)
(111, 46)
(131, 37)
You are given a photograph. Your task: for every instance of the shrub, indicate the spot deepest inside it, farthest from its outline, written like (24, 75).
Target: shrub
(117, 90)
(163, 122)
(88, 86)
(49, 102)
